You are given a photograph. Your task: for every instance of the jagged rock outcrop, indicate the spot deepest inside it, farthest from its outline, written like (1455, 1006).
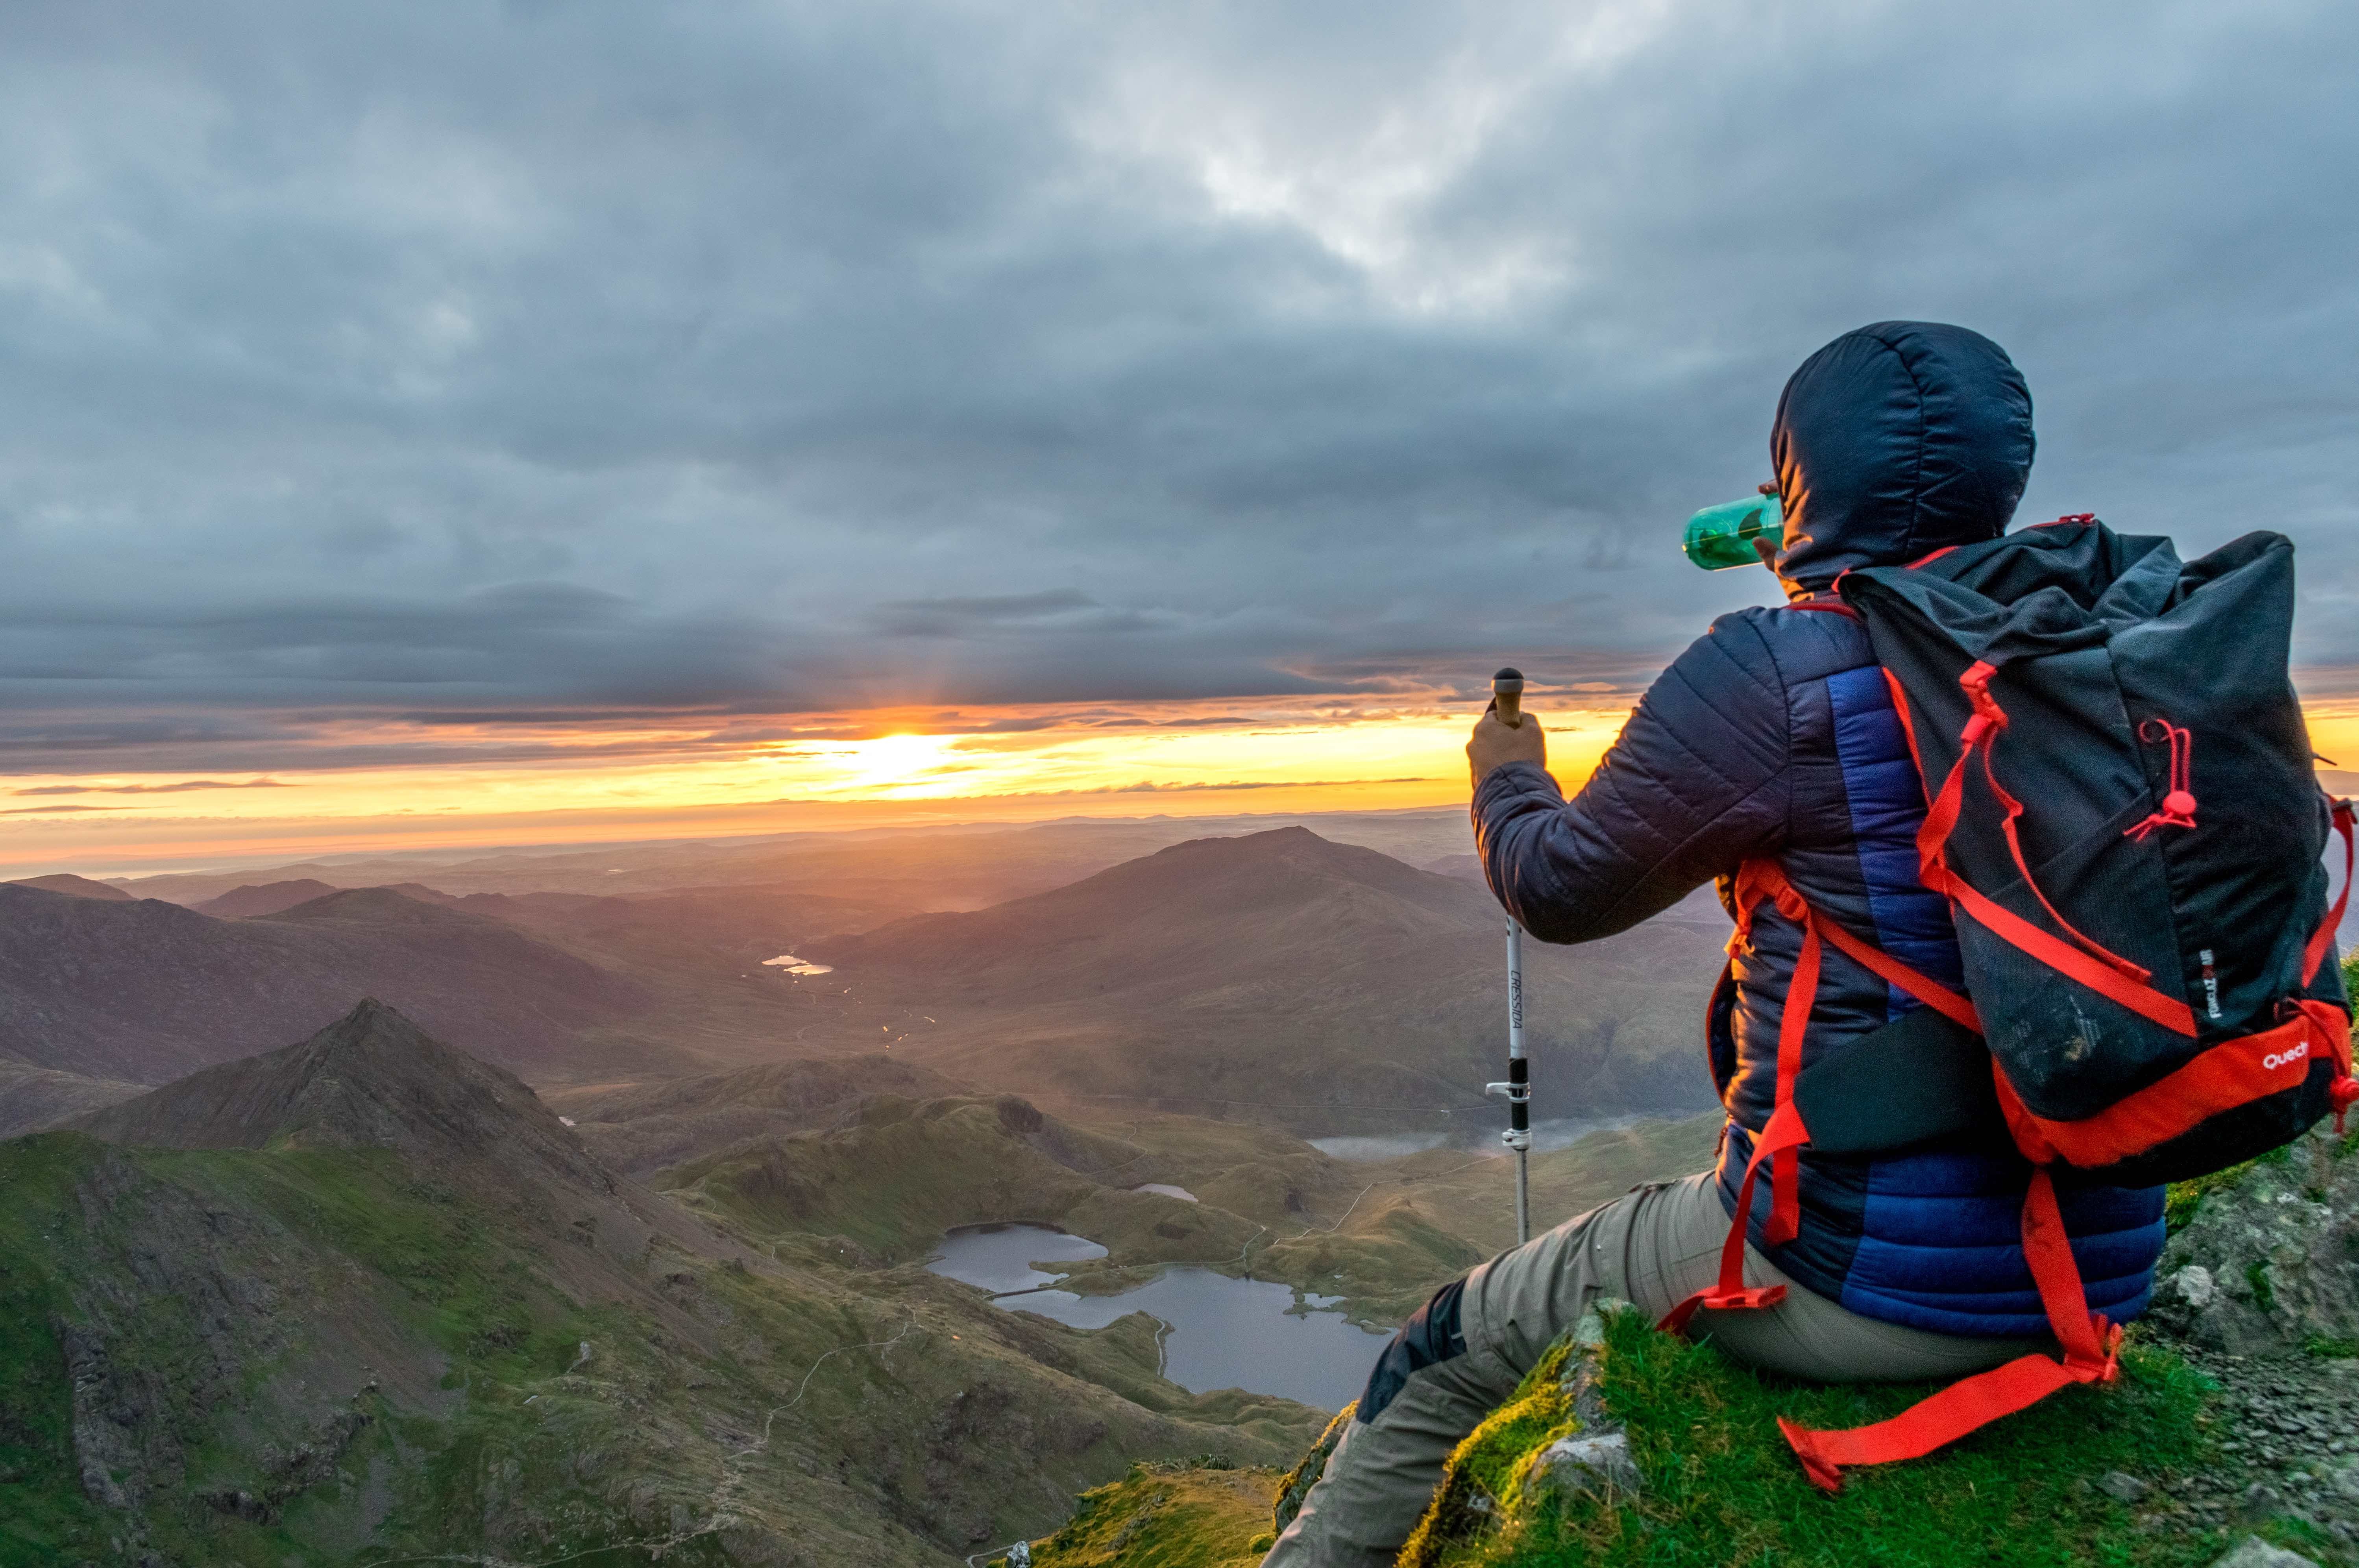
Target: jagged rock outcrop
(2269, 1261)
(1297, 1482)
(370, 1080)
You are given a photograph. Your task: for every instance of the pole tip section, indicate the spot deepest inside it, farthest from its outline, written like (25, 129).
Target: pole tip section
(1511, 677)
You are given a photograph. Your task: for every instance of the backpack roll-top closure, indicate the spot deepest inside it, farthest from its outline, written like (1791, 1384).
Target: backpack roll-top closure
(2123, 815)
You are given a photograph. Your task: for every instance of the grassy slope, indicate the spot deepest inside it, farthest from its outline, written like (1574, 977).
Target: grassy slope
(1723, 1488)
(387, 1368)
(892, 1180)
(1165, 1516)
(888, 1182)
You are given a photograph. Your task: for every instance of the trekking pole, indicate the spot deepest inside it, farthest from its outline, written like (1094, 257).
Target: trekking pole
(1508, 702)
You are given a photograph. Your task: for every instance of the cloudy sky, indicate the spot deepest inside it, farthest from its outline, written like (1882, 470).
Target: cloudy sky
(562, 417)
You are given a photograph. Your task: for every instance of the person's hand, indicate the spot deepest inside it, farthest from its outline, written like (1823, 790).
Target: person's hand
(1494, 744)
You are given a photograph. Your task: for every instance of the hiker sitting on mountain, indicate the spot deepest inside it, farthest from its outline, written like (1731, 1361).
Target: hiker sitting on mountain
(1772, 740)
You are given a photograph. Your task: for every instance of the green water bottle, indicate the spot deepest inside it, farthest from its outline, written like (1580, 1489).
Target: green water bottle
(1720, 537)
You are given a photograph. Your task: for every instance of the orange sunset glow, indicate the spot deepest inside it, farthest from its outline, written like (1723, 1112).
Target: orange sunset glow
(858, 769)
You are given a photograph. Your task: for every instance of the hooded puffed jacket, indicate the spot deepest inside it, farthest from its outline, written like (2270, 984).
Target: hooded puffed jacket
(1775, 736)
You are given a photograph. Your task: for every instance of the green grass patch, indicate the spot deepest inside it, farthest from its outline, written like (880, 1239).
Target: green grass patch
(44, 1516)
(1722, 1486)
(2257, 1279)
(1189, 1515)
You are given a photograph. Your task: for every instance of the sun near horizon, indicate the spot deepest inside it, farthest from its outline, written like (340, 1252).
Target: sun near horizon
(892, 768)
(590, 784)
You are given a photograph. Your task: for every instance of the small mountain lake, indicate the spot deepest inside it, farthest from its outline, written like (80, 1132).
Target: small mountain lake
(1225, 1332)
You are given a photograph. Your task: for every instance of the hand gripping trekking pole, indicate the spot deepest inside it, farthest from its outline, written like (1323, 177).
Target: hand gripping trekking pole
(1508, 702)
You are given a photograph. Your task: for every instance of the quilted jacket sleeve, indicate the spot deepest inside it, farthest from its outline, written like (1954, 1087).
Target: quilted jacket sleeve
(1697, 782)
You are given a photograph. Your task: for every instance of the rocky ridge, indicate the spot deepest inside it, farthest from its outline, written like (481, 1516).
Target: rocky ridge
(378, 1299)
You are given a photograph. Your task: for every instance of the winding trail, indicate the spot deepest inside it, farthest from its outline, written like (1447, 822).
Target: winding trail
(1345, 1215)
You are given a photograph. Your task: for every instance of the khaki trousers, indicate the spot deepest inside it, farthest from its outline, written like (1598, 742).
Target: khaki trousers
(1654, 1247)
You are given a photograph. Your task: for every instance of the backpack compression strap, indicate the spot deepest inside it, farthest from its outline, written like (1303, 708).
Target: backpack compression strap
(2099, 968)
(2090, 1346)
(2228, 1074)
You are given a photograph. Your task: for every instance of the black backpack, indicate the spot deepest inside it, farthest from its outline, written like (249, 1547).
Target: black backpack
(2124, 813)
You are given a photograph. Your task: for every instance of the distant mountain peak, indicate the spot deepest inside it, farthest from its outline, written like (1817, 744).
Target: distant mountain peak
(1206, 913)
(264, 899)
(379, 906)
(370, 1080)
(74, 887)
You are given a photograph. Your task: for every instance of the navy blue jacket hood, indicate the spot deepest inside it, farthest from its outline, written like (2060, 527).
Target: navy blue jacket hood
(1893, 441)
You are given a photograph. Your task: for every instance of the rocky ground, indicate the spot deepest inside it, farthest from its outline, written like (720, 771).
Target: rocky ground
(2288, 1445)
(2260, 1290)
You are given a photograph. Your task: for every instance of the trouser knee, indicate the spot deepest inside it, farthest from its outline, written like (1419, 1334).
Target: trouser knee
(1432, 1335)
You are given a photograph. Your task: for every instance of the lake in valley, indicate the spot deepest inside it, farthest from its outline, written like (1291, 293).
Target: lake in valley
(1223, 1332)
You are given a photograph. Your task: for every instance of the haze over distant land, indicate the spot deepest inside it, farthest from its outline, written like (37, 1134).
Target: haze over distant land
(1270, 974)
(569, 423)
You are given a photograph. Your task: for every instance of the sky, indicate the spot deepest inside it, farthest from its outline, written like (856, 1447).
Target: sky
(538, 421)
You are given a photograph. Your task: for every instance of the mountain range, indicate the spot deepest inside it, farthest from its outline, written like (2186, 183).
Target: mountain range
(1278, 974)
(1321, 985)
(949, 867)
(144, 991)
(370, 1295)
(365, 1298)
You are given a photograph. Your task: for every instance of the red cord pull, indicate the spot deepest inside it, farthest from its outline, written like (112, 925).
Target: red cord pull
(2339, 1094)
(2179, 804)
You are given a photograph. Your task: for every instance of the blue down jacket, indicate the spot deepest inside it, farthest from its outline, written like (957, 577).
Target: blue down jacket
(1775, 734)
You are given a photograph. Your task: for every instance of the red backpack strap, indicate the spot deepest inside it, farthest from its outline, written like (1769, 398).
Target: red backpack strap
(1730, 1293)
(2090, 1344)
(2100, 969)
(2322, 940)
(1781, 1138)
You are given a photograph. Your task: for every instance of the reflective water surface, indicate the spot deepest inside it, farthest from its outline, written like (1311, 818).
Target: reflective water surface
(1223, 1332)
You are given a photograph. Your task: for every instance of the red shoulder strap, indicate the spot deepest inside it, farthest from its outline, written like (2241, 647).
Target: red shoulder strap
(2322, 940)
(1781, 1138)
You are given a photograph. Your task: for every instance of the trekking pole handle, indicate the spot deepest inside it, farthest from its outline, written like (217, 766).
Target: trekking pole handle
(1507, 696)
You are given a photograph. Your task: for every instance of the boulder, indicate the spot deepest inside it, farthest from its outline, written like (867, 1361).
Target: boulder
(2122, 1488)
(1595, 1464)
(2255, 1552)
(2270, 1261)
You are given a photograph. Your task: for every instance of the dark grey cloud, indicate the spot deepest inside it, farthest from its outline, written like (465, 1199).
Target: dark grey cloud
(497, 366)
(183, 787)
